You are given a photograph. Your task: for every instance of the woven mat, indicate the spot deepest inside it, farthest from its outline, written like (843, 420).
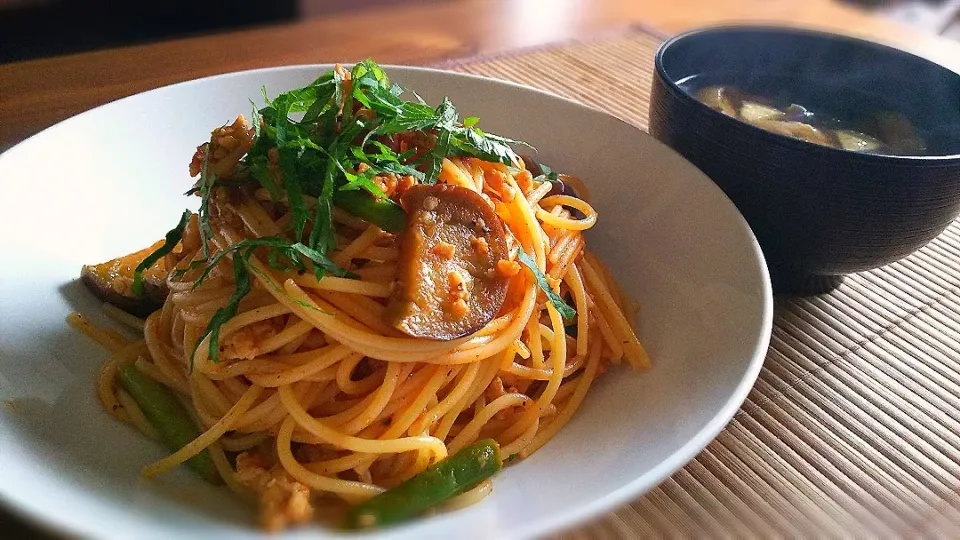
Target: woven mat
(853, 428)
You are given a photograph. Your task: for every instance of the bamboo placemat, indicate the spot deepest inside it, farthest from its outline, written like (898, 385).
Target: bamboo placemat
(853, 428)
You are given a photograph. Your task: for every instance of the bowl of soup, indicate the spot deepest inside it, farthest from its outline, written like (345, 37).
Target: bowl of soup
(843, 155)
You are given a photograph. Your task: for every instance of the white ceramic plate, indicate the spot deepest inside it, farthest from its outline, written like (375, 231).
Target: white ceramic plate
(110, 180)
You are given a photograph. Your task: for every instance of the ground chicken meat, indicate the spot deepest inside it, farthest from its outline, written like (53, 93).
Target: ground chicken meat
(245, 343)
(227, 145)
(282, 501)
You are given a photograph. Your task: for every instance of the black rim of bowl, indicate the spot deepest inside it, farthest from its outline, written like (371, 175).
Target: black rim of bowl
(675, 89)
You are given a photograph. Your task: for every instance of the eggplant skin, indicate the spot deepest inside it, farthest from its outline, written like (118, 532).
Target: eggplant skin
(112, 282)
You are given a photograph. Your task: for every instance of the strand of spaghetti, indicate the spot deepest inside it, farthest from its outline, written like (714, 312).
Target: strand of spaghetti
(564, 240)
(542, 374)
(135, 416)
(359, 245)
(234, 388)
(204, 440)
(203, 389)
(547, 334)
(353, 491)
(401, 422)
(323, 316)
(538, 193)
(363, 473)
(621, 299)
(468, 498)
(365, 311)
(382, 254)
(536, 344)
(287, 335)
(352, 286)
(618, 323)
(107, 379)
(256, 366)
(355, 444)
(330, 356)
(118, 315)
(256, 219)
(204, 293)
(589, 219)
(255, 414)
(295, 344)
(377, 272)
(579, 188)
(200, 313)
(614, 344)
(345, 218)
(302, 357)
(430, 417)
(378, 401)
(225, 469)
(151, 370)
(239, 443)
(201, 357)
(575, 284)
(164, 321)
(407, 393)
(534, 238)
(345, 373)
(386, 348)
(521, 428)
(567, 259)
(521, 349)
(263, 416)
(357, 339)
(525, 438)
(451, 174)
(110, 339)
(469, 433)
(475, 171)
(277, 412)
(343, 463)
(582, 385)
(189, 332)
(558, 358)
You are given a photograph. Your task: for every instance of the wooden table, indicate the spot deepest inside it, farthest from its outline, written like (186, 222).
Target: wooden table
(39, 93)
(36, 94)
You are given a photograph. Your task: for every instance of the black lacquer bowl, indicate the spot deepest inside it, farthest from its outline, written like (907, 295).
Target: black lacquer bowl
(818, 212)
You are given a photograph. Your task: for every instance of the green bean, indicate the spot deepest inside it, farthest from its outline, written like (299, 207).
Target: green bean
(168, 416)
(446, 479)
(383, 213)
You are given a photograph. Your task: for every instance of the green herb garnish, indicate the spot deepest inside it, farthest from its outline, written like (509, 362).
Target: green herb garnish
(330, 137)
(170, 241)
(227, 312)
(548, 175)
(566, 312)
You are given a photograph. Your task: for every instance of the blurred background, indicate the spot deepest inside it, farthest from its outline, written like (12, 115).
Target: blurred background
(36, 28)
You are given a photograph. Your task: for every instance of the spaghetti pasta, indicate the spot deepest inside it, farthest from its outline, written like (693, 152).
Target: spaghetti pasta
(301, 379)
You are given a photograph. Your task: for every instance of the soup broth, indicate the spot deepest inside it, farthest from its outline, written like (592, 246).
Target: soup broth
(882, 131)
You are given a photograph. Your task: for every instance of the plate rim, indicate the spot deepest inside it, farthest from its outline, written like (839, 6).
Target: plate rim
(633, 489)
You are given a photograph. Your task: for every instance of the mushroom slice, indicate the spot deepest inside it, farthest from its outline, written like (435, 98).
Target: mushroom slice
(856, 141)
(797, 130)
(752, 111)
(718, 98)
(448, 285)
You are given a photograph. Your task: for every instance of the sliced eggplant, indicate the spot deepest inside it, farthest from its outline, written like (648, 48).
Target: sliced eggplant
(112, 282)
(448, 285)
